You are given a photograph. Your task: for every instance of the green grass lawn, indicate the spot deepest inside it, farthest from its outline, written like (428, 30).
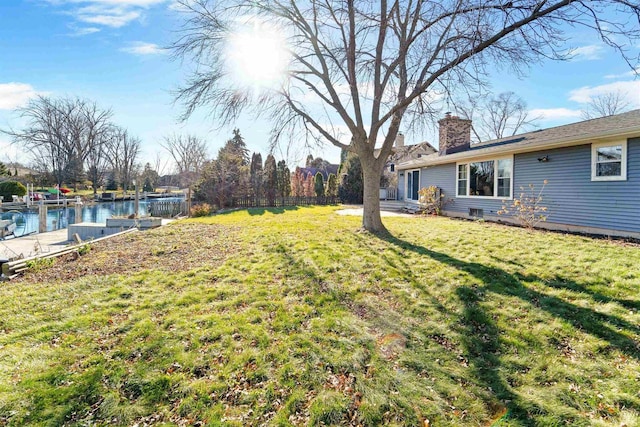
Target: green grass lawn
(295, 317)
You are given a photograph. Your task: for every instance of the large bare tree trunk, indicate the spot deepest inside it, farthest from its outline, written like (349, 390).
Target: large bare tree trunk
(371, 171)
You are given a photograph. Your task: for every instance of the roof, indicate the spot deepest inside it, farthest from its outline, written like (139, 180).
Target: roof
(619, 125)
(411, 152)
(325, 171)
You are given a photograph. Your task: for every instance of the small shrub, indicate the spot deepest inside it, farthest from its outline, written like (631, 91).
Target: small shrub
(84, 249)
(431, 200)
(527, 208)
(40, 264)
(203, 209)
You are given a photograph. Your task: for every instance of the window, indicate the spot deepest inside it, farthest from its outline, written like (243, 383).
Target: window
(481, 179)
(489, 178)
(504, 177)
(609, 161)
(462, 180)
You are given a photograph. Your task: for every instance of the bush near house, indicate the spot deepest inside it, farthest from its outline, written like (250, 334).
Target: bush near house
(294, 316)
(10, 188)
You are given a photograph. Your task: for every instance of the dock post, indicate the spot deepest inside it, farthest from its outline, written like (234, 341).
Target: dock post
(78, 208)
(136, 203)
(42, 216)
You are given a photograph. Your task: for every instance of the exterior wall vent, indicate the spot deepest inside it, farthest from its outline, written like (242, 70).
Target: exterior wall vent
(476, 213)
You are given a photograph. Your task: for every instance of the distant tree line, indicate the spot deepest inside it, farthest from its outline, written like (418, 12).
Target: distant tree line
(234, 175)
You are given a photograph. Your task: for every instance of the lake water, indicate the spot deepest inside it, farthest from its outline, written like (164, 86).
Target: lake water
(59, 217)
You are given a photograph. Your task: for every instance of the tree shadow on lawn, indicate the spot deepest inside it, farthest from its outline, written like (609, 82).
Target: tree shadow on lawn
(481, 334)
(275, 211)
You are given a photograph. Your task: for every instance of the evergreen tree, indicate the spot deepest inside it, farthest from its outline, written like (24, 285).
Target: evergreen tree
(309, 186)
(332, 186)
(150, 178)
(112, 184)
(351, 188)
(297, 183)
(4, 170)
(318, 185)
(256, 176)
(270, 179)
(227, 176)
(239, 147)
(284, 180)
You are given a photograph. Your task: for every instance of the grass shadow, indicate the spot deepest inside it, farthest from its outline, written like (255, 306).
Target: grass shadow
(275, 211)
(481, 334)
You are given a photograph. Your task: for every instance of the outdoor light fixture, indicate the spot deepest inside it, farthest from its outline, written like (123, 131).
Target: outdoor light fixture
(543, 159)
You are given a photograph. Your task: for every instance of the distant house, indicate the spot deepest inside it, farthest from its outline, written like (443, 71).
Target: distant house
(402, 153)
(325, 171)
(592, 168)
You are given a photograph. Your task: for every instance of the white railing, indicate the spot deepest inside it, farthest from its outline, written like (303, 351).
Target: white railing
(388, 193)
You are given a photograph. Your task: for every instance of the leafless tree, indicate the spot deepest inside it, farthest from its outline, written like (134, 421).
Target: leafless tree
(606, 104)
(48, 135)
(98, 132)
(370, 66)
(122, 153)
(64, 135)
(497, 116)
(189, 154)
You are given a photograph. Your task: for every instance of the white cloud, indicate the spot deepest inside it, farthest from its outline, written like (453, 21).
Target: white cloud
(109, 20)
(555, 113)
(82, 31)
(142, 48)
(108, 13)
(630, 73)
(586, 53)
(14, 95)
(629, 89)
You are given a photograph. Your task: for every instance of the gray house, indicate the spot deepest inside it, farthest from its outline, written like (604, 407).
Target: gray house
(592, 169)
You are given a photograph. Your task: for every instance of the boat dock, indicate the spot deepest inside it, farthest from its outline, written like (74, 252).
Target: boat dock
(33, 244)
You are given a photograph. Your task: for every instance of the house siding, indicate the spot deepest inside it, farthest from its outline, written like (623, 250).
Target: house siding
(570, 195)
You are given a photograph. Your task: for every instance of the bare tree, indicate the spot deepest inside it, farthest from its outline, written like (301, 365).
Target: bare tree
(189, 153)
(98, 132)
(122, 153)
(64, 135)
(606, 104)
(368, 66)
(48, 135)
(497, 116)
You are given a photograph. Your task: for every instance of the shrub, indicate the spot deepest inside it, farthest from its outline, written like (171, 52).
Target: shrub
(10, 188)
(431, 200)
(527, 208)
(203, 209)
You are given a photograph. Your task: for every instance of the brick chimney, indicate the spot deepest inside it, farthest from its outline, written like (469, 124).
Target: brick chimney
(399, 140)
(455, 134)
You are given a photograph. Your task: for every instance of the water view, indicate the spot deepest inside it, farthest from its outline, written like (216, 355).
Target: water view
(59, 217)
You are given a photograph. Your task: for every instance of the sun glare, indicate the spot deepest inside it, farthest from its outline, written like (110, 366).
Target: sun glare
(258, 57)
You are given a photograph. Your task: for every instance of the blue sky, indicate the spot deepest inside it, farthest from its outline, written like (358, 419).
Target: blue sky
(110, 51)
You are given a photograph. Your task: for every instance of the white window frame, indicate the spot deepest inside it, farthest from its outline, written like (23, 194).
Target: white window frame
(407, 190)
(594, 161)
(495, 180)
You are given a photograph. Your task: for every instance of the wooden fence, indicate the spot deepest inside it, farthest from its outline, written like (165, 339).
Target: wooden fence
(253, 202)
(166, 209)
